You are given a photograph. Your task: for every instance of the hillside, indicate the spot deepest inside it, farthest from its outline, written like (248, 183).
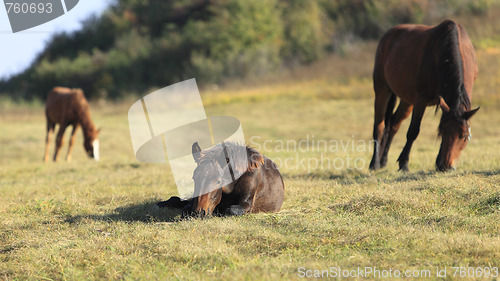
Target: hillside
(139, 45)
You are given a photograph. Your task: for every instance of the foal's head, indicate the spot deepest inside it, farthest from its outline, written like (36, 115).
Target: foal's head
(218, 169)
(208, 179)
(455, 132)
(91, 144)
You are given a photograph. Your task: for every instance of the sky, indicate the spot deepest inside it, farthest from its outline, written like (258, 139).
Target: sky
(18, 50)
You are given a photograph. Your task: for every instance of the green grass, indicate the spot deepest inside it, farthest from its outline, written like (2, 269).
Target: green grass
(88, 220)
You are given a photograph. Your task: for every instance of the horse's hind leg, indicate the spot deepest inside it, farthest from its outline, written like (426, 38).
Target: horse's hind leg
(59, 140)
(413, 131)
(387, 126)
(403, 111)
(50, 131)
(382, 100)
(71, 142)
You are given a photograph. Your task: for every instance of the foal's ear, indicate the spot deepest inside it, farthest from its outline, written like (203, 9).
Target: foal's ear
(99, 130)
(196, 152)
(468, 114)
(223, 159)
(443, 105)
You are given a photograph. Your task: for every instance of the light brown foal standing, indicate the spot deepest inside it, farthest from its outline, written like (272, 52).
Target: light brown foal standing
(67, 107)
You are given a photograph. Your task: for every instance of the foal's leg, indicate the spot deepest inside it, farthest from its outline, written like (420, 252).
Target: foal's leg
(50, 130)
(246, 202)
(403, 111)
(238, 210)
(413, 131)
(71, 142)
(59, 140)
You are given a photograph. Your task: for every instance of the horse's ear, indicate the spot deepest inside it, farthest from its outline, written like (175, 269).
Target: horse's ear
(443, 105)
(196, 152)
(468, 114)
(99, 130)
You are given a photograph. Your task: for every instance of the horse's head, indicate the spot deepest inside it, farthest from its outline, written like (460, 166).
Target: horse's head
(91, 144)
(208, 178)
(455, 132)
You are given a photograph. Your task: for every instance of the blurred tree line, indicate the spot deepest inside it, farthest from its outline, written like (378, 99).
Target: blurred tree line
(139, 45)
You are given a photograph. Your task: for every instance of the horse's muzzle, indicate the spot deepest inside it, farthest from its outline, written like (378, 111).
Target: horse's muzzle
(442, 164)
(444, 168)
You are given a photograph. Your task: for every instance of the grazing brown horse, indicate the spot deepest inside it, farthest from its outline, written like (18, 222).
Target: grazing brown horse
(259, 189)
(67, 107)
(423, 66)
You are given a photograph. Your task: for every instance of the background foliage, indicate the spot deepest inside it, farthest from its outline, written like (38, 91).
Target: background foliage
(137, 45)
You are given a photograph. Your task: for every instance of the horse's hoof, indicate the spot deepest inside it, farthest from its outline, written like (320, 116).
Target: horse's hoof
(445, 169)
(162, 204)
(187, 212)
(374, 166)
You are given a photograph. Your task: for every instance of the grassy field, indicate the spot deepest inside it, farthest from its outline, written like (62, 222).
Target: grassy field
(88, 220)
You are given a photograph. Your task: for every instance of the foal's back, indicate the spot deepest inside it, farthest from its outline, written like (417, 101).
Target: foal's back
(64, 105)
(264, 188)
(272, 191)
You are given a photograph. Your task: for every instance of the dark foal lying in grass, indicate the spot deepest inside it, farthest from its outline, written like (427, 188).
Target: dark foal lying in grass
(259, 189)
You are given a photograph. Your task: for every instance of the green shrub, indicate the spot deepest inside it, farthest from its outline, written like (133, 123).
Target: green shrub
(238, 34)
(305, 36)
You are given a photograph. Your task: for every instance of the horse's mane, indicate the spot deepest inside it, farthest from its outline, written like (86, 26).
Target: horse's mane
(451, 67)
(81, 106)
(237, 152)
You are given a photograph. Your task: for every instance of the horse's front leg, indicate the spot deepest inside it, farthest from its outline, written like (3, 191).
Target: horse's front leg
(177, 203)
(173, 202)
(413, 131)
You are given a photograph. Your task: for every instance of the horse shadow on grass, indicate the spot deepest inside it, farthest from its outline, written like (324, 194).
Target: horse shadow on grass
(387, 176)
(343, 177)
(148, 212)
(143, 212)
(360, 176)
(488, 173)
